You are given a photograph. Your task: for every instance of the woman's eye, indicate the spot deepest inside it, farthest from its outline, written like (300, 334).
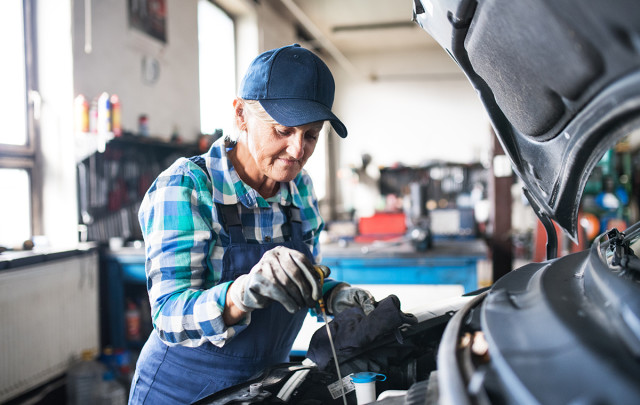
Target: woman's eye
(283, 131)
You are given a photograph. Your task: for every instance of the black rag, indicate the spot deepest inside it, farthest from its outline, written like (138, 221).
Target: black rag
(352, 330)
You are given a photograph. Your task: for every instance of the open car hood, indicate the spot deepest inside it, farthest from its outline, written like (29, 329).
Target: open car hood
(559, 79)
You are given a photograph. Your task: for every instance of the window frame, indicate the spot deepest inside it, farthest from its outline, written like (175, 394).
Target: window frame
(234, 23)
(28, 156)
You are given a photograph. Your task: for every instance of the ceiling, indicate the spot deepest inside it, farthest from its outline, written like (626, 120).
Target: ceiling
(346, 27)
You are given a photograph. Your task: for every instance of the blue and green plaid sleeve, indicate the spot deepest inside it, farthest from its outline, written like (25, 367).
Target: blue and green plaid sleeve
(179, 234)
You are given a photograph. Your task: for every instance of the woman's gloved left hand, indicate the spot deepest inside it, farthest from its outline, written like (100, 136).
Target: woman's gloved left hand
(344, 296)
(283, 275)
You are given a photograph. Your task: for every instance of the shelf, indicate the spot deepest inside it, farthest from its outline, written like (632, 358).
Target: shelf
(132, 269)
(88, 143)
(112, 184)
(129, 138)
(123, 280)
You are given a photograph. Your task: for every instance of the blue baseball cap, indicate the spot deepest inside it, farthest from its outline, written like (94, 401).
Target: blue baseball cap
(293, 85)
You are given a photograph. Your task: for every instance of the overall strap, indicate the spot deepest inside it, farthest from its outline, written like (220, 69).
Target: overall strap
(295, 221)
(228, 214)
(230, 220)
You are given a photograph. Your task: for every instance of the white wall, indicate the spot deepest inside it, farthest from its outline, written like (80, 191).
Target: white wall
(410, 114)
(258, 29)
(405, 116)
(274, 30)
(57, 155)
(115, 66)
(420, 108)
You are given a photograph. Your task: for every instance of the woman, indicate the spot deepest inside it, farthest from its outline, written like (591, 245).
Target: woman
(231, 237)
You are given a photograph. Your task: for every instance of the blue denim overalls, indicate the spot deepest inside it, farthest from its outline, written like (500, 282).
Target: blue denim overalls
(178, 374)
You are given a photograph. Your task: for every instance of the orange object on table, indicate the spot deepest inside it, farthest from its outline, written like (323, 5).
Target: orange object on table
(381, 226)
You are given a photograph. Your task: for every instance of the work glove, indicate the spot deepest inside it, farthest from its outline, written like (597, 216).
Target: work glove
(283, 275)
(353, 331)
(344, 296)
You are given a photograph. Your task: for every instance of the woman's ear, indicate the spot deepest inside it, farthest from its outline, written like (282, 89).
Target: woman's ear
(241, 122)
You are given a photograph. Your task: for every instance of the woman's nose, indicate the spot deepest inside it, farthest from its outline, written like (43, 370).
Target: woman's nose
(296, 146)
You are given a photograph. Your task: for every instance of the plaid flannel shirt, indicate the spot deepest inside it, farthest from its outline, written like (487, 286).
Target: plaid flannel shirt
(185, 241)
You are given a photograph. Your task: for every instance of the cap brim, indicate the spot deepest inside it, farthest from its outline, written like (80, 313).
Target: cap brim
(295, 112)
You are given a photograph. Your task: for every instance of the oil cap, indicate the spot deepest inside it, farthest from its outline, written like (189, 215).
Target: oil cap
(367, 376)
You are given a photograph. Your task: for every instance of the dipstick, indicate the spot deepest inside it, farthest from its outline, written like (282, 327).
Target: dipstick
(323, 271)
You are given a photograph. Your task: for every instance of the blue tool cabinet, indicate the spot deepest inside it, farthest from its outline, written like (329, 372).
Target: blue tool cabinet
(123, 279)
(408, 270)
(448, 262)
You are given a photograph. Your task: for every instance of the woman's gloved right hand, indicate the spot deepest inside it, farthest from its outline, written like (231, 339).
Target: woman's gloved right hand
(283, 275)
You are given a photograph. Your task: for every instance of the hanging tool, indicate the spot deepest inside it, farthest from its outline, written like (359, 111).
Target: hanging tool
(323, 272)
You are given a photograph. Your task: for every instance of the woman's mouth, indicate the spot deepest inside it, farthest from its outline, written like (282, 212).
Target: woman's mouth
(289, 162)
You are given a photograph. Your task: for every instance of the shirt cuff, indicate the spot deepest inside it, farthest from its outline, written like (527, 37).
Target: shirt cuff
(222, 298)
(327, 286)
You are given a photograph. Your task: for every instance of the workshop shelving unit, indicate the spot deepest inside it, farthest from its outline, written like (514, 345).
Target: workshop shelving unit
(123, 280)
(112, 183)
(113, 175)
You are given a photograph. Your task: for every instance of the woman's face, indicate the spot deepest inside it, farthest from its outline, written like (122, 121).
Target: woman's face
(280, 152)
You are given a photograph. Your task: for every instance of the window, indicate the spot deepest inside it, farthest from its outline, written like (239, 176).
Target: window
(217, 56)
(216, 42)
(18, 219)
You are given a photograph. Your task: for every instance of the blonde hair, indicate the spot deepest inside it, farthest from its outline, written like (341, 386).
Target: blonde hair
(254, 108)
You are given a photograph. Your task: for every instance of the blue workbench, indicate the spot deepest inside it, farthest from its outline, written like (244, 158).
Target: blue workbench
(447, 262)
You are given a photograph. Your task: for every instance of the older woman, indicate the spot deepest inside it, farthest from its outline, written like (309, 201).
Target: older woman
(231, 237)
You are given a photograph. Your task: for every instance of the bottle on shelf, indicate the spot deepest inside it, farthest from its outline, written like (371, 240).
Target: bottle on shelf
(93, 116)
(83, 380)
(104, 113)
(116, 123)
(132, 319)
(143, 125)
(81, 113)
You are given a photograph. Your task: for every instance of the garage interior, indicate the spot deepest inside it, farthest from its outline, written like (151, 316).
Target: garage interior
(419, 201)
